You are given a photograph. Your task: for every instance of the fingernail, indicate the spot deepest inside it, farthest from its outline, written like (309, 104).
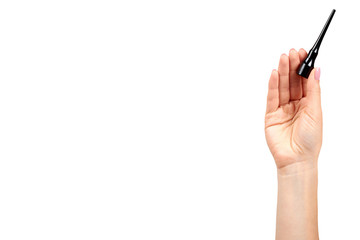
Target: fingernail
(317, 74)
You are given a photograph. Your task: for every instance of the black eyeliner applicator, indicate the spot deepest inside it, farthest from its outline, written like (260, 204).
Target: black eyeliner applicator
(308, 64)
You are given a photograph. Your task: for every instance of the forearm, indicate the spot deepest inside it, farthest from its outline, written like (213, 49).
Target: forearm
(297, 203)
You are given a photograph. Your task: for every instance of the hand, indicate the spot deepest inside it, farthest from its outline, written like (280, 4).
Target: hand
(293, 120)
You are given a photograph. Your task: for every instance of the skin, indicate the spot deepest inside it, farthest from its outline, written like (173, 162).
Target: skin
(293, 129)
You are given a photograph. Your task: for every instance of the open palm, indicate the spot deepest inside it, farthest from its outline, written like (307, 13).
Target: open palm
(293, 120)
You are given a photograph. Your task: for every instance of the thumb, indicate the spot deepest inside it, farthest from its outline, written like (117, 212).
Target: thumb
(313, 89)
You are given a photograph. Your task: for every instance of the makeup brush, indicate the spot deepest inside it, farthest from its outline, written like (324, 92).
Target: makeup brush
(308, 64)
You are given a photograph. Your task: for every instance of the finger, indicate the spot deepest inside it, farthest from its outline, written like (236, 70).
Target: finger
(303, 55)
(313, 90)
(295, 79)
(284, 93)
(273, 92)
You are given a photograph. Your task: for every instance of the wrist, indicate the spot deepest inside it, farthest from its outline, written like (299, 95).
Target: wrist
(299, 168)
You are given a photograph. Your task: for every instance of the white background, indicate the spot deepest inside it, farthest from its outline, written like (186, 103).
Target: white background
(144, 119)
